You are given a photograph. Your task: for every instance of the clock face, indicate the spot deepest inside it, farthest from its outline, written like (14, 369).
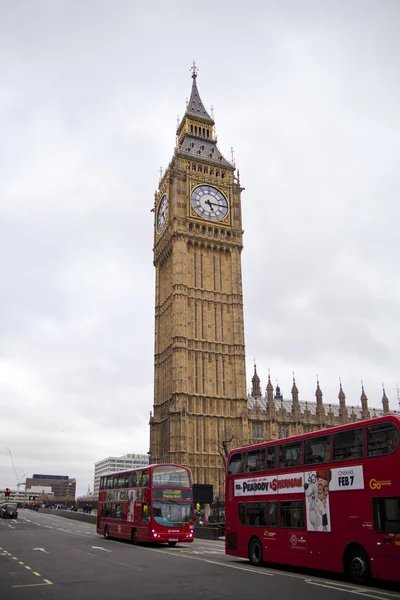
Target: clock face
(209, 203)
(162, 213)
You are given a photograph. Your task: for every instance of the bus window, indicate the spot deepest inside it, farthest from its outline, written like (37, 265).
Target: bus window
(382, 438)
(236, 463)
(348, 444)
(387, 515)
(292, 514)
(145, 512)
(134, 479)
(109, 483)
(170, 476)
(317, 450)
(271, 458)
(256, 513)
(145, 478)
(272, 514)
(256, 460)
(242, 513)
(290, 455)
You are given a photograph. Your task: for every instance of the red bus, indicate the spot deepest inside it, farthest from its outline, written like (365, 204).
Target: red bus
(326, 500)
(151, 504)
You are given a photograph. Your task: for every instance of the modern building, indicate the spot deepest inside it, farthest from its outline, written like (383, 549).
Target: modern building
(62, 487)
(117, 463)
(201, 407)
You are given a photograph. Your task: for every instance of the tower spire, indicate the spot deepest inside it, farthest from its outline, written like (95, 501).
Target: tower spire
(195, 106)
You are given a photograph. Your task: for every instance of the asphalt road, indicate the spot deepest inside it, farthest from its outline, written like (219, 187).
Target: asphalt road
(46, 556)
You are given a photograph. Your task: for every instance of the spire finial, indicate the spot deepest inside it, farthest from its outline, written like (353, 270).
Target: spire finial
(194, 70)
(161, 173)
(317, 379)
(294, 380)
(362, 384)
(383, 387)
(233, 156)
(212, 111)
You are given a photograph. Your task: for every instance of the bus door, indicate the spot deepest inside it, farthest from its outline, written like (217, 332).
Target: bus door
(387, 528)
(142, 519)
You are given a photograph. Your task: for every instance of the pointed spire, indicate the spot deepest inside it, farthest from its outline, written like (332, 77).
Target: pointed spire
(255, 388)
(195, 106)
(385, 401)
(270, 398)
(320, 411)
(342, 404)
(278, 395)
(294, 387)
(270, 387)
(364, 403)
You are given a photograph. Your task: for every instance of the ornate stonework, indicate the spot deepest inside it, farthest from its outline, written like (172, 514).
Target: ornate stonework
(199, 364)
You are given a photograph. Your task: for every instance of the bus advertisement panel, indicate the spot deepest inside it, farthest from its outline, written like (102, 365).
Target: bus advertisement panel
(329, 499)
(151, 504)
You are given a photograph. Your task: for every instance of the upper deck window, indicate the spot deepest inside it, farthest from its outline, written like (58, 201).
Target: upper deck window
(170, 476)
(236, 463)
(348, 444)
(290, 455)
(256, 460)
(271, 459)
(382, 438)
(317, 450)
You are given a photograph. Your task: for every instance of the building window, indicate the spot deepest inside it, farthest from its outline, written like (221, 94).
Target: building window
(257, 429)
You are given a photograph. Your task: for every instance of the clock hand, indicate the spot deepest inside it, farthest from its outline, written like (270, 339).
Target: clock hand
(209, 204)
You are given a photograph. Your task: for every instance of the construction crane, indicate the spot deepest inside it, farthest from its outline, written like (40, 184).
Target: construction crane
(19, 480)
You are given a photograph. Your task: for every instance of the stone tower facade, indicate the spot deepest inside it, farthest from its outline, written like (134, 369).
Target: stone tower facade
(200, 399)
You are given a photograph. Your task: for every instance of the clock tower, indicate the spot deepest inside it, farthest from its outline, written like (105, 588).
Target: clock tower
(200, 403)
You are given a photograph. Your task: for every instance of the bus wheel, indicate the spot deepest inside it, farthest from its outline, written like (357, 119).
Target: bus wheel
(172, 544)
(134, 537)
(357, 565)
(255, 552)
(106, 534)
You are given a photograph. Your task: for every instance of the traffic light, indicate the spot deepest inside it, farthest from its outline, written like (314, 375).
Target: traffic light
(7, 492)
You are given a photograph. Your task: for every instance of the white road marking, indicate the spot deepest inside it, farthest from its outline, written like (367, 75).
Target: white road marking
(341, 588)
(100, 548)
(40, 550)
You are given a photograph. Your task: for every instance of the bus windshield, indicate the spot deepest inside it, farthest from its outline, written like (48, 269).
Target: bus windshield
(170, 476)
(171, 514)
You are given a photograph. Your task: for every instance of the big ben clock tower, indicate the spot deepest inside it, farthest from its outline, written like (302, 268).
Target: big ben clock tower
(199, 363)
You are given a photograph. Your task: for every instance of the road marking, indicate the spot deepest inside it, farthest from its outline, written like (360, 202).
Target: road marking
(333, 586)
(40, 550)
(26, 567)
(100, 548)
(34, 584)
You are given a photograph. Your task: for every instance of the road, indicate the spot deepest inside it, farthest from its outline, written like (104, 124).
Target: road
(48, 557)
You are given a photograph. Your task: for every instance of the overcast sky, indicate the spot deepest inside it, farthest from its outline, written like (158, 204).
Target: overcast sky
(308, 95)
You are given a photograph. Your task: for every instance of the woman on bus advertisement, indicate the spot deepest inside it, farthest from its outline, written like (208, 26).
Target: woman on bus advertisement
(317, 495)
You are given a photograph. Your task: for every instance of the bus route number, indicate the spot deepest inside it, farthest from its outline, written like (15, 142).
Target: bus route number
(345, 480)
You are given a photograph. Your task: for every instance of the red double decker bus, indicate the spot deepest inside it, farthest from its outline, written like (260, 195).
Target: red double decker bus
(151, 504)
(326, 500)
